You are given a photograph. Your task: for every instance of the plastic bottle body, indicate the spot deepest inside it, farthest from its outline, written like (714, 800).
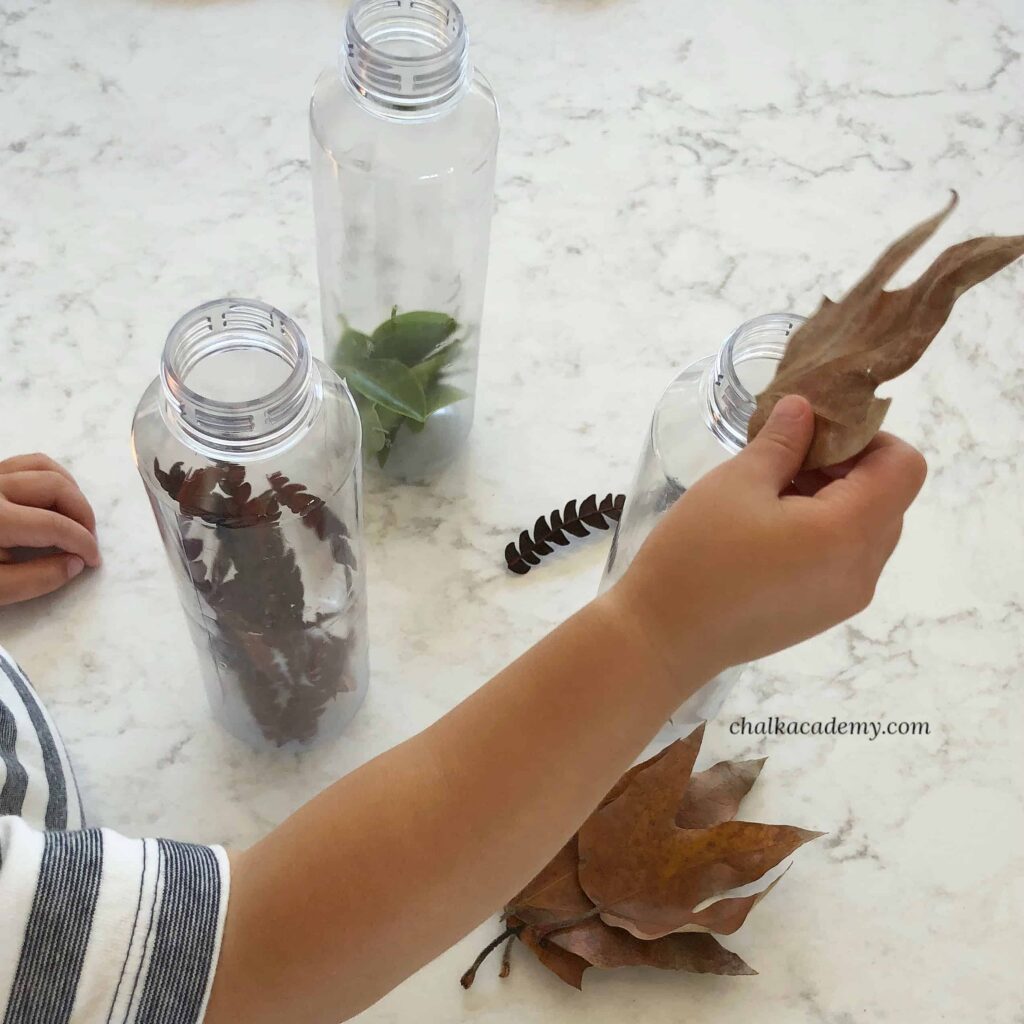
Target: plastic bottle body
(249, 451)
(403, 185)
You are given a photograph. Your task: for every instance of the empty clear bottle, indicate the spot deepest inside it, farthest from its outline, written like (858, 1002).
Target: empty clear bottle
(404, 138)
(249, 450)
(699, 422)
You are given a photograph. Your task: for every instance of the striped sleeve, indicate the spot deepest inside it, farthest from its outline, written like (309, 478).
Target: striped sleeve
(101, 929)
(95, 928)
(37, 782)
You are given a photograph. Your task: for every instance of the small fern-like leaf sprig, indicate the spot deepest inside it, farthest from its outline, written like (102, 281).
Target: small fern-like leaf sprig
(556, 529)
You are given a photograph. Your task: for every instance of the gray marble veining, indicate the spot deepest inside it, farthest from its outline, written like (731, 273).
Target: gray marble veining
(666, 171)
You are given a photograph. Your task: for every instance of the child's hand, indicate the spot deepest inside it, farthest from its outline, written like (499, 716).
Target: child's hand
(42, 507)
(743, 566)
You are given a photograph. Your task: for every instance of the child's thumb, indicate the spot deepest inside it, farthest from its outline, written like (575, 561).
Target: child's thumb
(778, 451)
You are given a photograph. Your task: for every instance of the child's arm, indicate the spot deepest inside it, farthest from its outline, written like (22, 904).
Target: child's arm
(398, 860)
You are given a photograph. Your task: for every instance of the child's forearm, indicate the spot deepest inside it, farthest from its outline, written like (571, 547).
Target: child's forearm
(398, 860)
(395, 862)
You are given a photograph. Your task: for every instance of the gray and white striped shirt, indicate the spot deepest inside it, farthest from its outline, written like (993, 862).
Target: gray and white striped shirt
(95, 928)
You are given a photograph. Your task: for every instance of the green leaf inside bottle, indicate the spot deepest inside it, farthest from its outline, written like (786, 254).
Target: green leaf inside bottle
(397, 374)
(411, 337)
(388, 383)
(353, 345)
(374, 434)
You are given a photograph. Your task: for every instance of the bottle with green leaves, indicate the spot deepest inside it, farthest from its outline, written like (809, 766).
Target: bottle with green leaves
(404, 140)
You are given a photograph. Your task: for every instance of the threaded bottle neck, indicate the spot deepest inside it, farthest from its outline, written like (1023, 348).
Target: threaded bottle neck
(238, 380)
(406, 58)
(743, 367)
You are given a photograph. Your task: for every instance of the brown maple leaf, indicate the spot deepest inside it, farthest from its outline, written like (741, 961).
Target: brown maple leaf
(567, 966)
(570, 927)
(714, 795)
(600, 945)
(839, 357)
(556, 920)
(555, 895)
(648, 875)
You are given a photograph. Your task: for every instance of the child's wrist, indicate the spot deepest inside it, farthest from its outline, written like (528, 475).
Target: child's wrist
(675, 660)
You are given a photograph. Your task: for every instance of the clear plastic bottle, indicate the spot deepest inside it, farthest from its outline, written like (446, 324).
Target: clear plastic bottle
(404, 138)
(249, 450)
(699, 422)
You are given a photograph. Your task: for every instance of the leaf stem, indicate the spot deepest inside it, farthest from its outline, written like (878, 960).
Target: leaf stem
(506, 958)
(509, 933)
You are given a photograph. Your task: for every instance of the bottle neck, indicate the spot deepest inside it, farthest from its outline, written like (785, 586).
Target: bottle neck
(406, 58)
(238, 380)
(743, 367)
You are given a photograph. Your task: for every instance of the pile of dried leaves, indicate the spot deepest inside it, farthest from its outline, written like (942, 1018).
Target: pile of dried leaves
(647, 877)
(838, 358)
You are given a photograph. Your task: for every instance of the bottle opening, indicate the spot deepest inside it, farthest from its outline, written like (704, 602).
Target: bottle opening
(406, 55)
(743, 368)
(239, 371)
(237, 377)
(755, 373)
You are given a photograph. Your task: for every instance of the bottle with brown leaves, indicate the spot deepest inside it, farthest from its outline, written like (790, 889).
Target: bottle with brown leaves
(249, 450)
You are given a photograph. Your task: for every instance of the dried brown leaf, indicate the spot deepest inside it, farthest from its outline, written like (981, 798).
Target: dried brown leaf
(715, 795)
(686, 749)
(725, 916)
(624, 890)
(847, 349)
(565, 965)
(600, 945)
(648, 875)
(555, 894)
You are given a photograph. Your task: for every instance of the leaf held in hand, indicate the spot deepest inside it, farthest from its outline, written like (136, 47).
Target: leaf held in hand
(660, 844)
(843, 352)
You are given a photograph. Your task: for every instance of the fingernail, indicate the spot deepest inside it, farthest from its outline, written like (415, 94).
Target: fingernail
(75, 566)
(790, 408)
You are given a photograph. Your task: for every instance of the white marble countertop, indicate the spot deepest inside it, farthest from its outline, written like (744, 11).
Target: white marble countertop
(666, 171)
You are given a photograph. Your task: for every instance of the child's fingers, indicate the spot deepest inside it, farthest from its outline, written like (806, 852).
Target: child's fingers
(46, 488)
(775, 455)
(21, 526)
(40, 576)
(881, 485)
(36, 461)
